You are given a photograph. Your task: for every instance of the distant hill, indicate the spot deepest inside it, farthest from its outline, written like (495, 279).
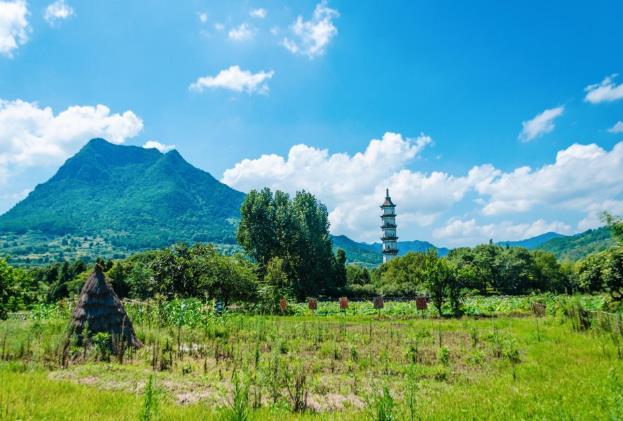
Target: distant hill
(580, 245)
(533, 242)
(363, 253)
(129, 198)
(571, 247)
(416, 245)
(370, 254)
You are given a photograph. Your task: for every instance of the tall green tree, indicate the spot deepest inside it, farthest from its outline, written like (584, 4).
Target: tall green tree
(340, 268)
(295, 230)
(615, 223)
(261, 232)
(590, 272)
(613, 274)
(7, 287)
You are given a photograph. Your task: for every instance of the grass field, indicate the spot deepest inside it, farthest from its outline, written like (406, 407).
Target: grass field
(334, 366)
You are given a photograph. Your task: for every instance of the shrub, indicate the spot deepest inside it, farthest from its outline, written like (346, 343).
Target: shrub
(443, 355)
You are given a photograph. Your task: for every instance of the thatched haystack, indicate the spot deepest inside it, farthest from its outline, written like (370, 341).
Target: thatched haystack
(102, 311)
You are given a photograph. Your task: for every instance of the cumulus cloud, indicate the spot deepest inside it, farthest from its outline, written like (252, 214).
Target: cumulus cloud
(311, 37)
(57, 11)
(458, 232)
(13, 26)
(235, 79)
(258, 13)
(617, 128)
(243, 32)
(203, 17)
(7, 200)
(352, 186)
(605, 91)
(582, 181)
(580, 176)
(541, 124)
(153, 144)
(31, 135)
(595, 211)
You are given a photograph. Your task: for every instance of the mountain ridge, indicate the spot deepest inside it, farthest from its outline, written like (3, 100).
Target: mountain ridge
(532, 242)
(141, 195)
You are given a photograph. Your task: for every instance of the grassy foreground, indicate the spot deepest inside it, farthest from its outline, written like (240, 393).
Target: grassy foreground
(311, 367)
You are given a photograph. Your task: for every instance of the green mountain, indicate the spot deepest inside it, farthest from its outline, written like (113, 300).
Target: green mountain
(361, 253)
(580, 245)
(533, 242)
(130, 198)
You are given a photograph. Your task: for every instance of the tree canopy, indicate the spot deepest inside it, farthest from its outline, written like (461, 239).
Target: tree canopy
(295, 230)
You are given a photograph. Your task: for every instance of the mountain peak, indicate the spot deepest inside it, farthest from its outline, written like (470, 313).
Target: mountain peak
(98, 141)
(135, 195)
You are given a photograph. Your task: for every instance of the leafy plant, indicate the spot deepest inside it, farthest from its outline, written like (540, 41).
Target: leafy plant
(102, 342)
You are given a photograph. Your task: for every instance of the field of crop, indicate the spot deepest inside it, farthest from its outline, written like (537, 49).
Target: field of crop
(497, 361)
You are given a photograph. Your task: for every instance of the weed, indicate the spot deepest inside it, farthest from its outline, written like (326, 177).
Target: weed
(151, 400)
(239, 410)
(443, 355)
(383, 406)
(297, 386)
(410, 392)
(511, 353)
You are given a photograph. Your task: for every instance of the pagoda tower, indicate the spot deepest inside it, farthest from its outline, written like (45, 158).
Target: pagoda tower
(389, 238)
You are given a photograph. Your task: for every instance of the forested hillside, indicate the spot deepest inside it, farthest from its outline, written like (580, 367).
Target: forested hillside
(580, 245)
(123, 198)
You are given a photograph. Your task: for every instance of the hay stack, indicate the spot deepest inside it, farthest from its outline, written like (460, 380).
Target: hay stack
(100, 307)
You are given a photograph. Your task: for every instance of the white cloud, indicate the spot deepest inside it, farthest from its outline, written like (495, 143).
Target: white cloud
(352, 187)
(219, 27)
(13, 26)
(583, 180)
(15, 196)
(258, 13)
(236, 80)
(580, 176)
(458, 232)
(595, 210)
(243, 32)
(153, 144)
(57, 11)
(311, 37)
(606, 91)
(203, 17)
(541, 124)
(617, 128)
(7, 200)
(34, 136)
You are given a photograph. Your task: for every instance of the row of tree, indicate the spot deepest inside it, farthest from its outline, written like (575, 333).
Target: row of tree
(288, 253)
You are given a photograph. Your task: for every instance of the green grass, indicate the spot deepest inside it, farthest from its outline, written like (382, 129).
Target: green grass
(446, 368)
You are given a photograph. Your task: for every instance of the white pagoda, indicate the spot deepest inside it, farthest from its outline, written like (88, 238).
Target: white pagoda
(389, 238)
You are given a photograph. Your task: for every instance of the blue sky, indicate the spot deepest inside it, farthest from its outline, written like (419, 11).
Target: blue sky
(460, 96)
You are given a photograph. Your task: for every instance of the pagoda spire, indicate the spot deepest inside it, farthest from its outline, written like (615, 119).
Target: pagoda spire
(388, 227)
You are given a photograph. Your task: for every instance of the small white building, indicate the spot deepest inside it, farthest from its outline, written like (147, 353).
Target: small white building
(388, 227)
